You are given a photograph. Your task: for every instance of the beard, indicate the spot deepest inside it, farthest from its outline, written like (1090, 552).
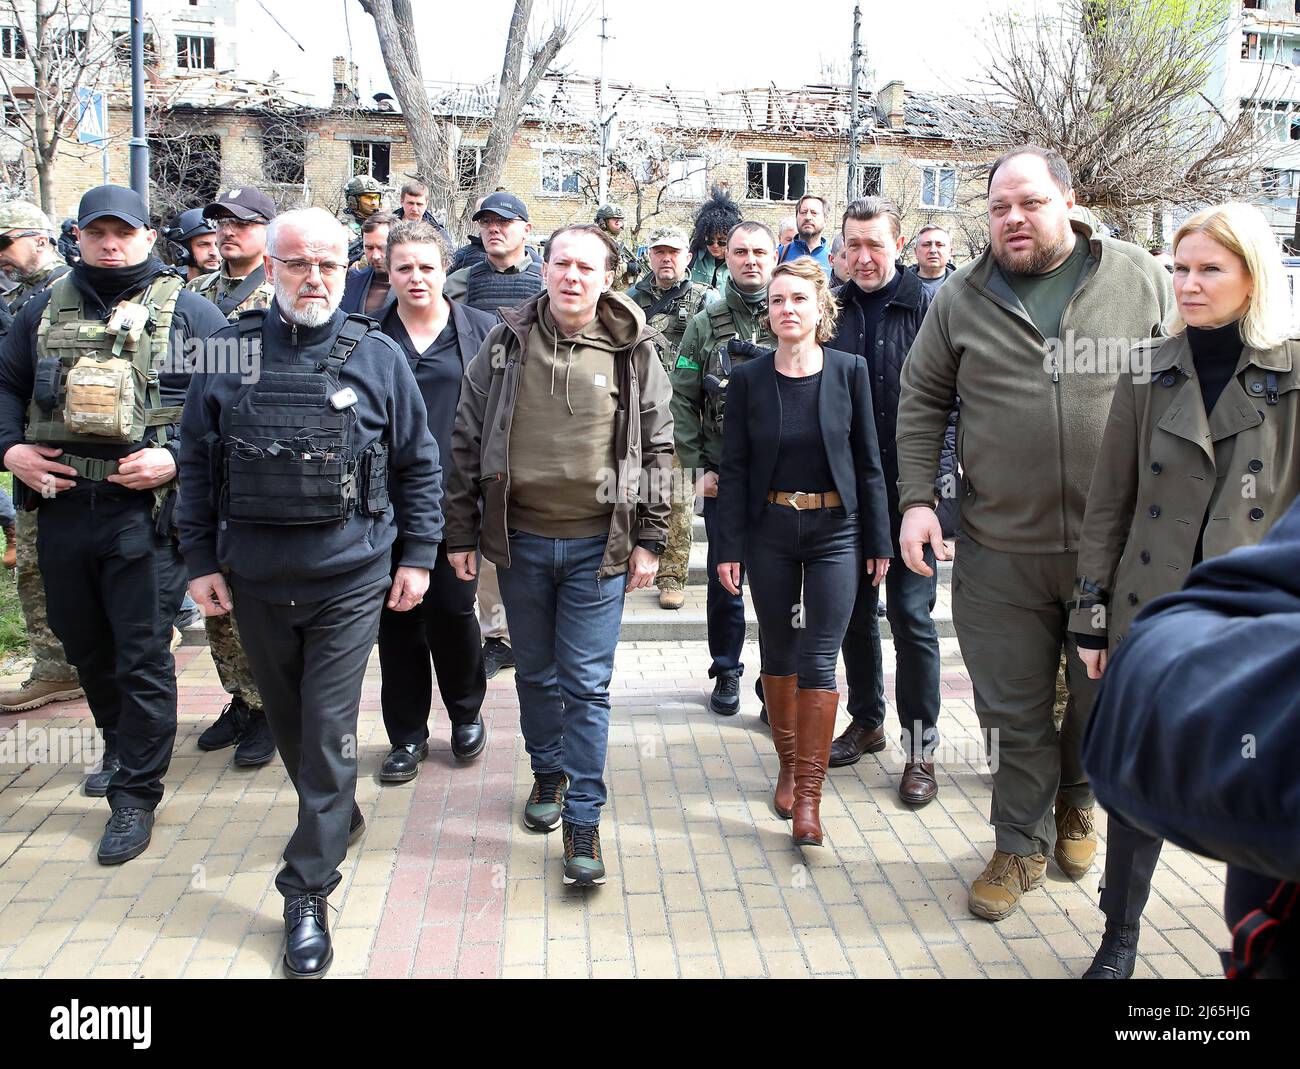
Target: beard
(312, 315)
(1040, 256)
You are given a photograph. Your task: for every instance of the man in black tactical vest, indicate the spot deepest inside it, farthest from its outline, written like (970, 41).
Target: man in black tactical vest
(88, 367)
(297, 480)
(509, 276)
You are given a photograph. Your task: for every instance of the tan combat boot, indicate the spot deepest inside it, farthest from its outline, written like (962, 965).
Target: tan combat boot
(997, 890)
(671, 595)
(33, 693)
(1076, 839)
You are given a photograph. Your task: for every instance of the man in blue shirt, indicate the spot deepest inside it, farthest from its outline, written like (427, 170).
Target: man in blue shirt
(810, 217)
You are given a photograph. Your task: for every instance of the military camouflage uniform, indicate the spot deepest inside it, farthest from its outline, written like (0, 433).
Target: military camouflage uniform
(49, 665)
(223, 637)
(671, 321)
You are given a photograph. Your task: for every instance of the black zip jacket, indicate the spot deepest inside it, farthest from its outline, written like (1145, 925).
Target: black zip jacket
(306, 563)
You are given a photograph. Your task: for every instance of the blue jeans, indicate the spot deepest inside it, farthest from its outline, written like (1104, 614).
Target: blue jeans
(725, 612)
(7, 514)
(564, 625)
(909, 605)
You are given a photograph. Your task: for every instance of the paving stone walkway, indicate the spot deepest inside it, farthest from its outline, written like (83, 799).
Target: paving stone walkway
(447, 882)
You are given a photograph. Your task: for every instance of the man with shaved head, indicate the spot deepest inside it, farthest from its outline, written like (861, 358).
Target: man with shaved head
(308, 454)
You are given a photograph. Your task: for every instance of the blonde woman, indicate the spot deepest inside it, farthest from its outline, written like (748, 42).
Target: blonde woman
(1201, 454)
(802, 504)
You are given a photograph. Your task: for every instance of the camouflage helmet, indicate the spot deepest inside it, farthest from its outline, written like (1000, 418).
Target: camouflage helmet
(608, 211)
(361, 185)
(24, 215)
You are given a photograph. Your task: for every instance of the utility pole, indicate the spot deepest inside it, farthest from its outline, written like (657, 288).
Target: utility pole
(856, 68)
(602, 180)
(139, 143)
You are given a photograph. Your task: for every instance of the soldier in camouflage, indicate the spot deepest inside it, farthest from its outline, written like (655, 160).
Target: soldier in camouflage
(29, 255)
(670, 300)
(365, 196)
(732, 329)
(609, 217)
(242, 216)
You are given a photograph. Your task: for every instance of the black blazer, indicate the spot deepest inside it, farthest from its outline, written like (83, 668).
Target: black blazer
(356, 287)
(751, 437)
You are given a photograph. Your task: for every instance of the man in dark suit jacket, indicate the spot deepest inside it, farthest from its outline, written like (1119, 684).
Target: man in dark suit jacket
(365, 290)
(882, 308)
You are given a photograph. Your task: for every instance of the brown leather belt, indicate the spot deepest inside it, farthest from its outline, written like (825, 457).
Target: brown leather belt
(801, 499)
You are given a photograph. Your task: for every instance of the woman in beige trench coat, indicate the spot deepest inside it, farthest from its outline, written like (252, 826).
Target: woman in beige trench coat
(1201, 454)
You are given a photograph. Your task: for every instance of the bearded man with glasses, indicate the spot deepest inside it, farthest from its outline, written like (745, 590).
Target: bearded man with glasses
(298, 477)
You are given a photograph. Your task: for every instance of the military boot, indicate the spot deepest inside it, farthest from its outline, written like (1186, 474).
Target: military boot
(1076, 839)
(229, 727)
(996, 891)
(33, 693)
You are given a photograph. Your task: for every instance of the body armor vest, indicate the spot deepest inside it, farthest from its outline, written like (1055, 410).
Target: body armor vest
(489, 290)
(98, 382)
(16, 305)
(729, 351)
(287, 449)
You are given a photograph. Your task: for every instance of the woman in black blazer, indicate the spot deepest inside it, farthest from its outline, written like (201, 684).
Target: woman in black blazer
(439, 337)
(802, 503)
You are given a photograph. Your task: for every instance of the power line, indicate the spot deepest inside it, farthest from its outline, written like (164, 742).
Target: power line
(281, 25)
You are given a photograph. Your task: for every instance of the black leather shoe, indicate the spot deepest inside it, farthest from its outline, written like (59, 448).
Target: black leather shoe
(497, 655)
(725, 699)
(257, 745)
(307, 947)
(854, 742)
(468, 740)
(1117, 956)
(96, 784)
(229, 727)
(403, 762)
(126, 835)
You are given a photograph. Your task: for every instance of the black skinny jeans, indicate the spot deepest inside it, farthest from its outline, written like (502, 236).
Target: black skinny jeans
(446, 628)
(808, 555)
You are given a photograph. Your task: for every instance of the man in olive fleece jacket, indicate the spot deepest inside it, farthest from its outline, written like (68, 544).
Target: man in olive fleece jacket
(563, 454)
(1031, 336)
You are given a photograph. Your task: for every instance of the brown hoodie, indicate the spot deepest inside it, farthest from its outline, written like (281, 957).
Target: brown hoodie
(481, 496)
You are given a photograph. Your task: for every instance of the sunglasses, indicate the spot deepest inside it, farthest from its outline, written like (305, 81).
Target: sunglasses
(716, 241)
(8, 239)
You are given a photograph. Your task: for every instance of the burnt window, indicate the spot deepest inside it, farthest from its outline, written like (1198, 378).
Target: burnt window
(371, 157)
(779, 180)
(284, 148)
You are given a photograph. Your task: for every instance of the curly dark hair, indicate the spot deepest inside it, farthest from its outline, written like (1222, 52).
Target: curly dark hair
(717, 215)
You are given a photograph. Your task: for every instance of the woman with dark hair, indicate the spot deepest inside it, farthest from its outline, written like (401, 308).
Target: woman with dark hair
(713, 222)
(802, 503)
(439, 337)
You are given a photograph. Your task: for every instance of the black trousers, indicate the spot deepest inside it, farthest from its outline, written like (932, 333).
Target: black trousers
(309, 661)
(444, 628)
(1131, 856)
(804, 567)
(113, 586)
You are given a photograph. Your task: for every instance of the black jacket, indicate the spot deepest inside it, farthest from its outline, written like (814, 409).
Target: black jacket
(899, 323)
(751, 438)
(1196, 729)
(312, 561)
(195, 317)
(356, 286)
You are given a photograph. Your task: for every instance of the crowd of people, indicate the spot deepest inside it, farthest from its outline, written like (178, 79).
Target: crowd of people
(468, 457)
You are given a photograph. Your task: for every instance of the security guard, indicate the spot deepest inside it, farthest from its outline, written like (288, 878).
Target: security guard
(81, 367)
(730, 330)
(28, 254)
(609, 217)
(195, 240)
(508, 275)
(241, 216)
(670, 299)
(295, 487)
(365, 196)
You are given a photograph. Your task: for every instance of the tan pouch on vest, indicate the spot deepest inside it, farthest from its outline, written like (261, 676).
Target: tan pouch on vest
(101, 398)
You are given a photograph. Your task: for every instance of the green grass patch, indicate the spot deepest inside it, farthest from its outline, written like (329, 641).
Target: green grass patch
(13, 632)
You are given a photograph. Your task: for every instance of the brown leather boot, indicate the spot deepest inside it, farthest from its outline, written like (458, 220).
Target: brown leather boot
(779, 696)
(11, 546)
(814, 732)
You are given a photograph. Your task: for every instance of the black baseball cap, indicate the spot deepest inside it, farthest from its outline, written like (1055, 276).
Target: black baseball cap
(115, 201)
(506, 205)
(243, 202)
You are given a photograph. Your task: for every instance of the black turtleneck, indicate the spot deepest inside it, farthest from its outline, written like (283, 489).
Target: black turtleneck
(1215, 353)
(873, 307)
(111, 284)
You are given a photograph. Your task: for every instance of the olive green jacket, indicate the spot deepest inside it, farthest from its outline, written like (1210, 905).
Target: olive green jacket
(697, 418)
(1165, 468)
(1032, 413)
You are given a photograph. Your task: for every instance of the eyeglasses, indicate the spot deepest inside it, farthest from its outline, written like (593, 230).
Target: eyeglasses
(229, 222)
(8, 239)
(300, 268)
